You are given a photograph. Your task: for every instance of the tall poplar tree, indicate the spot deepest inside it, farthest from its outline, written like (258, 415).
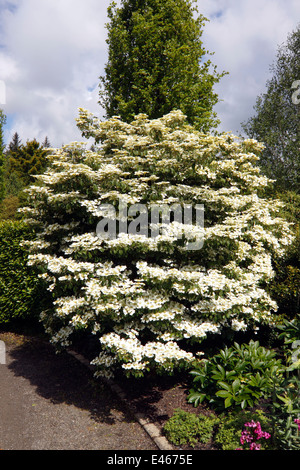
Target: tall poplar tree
(157, 62)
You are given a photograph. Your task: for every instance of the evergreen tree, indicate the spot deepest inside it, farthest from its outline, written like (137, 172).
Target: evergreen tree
(46, 143)
(15, 143)
(156, 63)
(277, 119)
(27, 160)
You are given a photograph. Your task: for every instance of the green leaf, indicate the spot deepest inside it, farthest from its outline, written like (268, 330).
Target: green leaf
(250, 402)
(217, 376)
(236, 386)
(230, 374)
(196, 398)
(222, 370)
(223, 393)
(224, 385)
(244, 404)
(228, 402)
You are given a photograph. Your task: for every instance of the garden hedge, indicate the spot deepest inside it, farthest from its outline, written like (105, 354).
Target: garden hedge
(21, 291)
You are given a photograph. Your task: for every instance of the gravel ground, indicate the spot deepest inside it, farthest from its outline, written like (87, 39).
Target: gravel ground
(52, 402)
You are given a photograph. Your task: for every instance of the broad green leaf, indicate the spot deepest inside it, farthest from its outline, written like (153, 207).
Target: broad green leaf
(223, 393)
(228, 402)
(236, 386)
(224, 385)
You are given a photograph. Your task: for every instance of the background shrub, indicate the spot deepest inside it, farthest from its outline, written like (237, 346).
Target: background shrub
(22, 294)
(9, 207)
(285, 287)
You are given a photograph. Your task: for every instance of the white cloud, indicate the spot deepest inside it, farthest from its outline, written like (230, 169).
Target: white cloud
(52, 53)
(245, 35)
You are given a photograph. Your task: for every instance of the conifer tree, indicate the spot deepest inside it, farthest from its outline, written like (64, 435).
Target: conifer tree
(27, 160)
(15, 143)
(46, 143)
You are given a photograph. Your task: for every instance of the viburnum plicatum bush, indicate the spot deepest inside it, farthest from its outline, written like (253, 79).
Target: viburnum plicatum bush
(148, 298)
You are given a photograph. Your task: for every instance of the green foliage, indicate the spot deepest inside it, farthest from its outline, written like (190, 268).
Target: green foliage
(228, 434)
(284, 409)
(157, 62)
(21, 293)
(187, 428)
(238, 376)
(13, 182)
(276, 121)
(291, 205)
(290, 331)
(9, 207)
(22, 163)
(285, 287)
(15, 143)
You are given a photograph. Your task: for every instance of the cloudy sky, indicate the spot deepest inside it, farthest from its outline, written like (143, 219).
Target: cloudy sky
(52, 53)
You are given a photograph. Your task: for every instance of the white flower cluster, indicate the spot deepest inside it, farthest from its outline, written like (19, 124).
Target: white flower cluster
(144, 297)
(67, 305)
(138, 356)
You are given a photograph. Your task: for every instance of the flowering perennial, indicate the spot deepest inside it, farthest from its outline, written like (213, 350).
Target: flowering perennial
(253, 434)
(147, 299)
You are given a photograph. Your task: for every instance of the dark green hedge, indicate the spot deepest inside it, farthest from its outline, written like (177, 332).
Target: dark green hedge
(22, 294)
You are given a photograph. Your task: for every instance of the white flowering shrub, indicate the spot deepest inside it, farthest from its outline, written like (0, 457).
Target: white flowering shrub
(148, 298)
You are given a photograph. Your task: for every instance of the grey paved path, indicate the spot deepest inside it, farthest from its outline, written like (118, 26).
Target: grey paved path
(51, 402)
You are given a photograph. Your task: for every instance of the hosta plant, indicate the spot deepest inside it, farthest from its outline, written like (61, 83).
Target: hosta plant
(149, 289)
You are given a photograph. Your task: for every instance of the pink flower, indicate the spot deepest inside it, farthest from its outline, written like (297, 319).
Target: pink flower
(297, 421)
(254, 446)
(252, 424)
(246, 437)
(255, 433)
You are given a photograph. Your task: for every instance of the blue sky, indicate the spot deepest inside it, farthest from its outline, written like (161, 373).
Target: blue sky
(52, 53)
